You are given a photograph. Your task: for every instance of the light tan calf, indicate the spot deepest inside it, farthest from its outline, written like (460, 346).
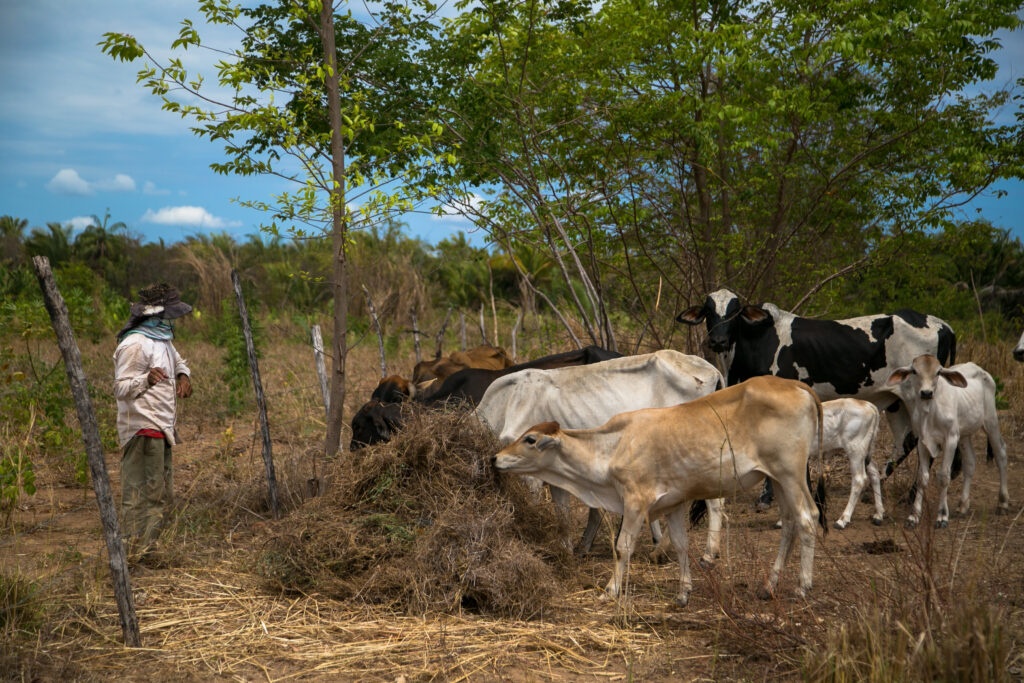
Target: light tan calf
(650, 462)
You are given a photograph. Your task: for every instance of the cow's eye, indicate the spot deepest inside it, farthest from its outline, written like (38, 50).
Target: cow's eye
(531, 439)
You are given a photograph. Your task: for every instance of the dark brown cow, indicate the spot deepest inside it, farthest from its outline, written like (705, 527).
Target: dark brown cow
(377, 421)
(393, 389)
(470, 384)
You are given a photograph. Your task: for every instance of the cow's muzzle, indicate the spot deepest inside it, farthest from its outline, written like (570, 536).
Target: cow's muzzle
(927, 395)
(719, 345)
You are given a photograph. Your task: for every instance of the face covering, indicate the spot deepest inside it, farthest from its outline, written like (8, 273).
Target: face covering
(154, 328)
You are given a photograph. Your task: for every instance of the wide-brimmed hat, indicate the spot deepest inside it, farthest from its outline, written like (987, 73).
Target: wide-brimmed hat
(160, 300)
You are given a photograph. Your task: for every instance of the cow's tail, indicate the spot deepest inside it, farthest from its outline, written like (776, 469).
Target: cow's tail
(819, 490)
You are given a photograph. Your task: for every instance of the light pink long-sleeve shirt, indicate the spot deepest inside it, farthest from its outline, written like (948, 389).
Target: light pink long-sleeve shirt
(139, 405)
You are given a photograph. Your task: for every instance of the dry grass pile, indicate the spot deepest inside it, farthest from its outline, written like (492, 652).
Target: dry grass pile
(423, 524)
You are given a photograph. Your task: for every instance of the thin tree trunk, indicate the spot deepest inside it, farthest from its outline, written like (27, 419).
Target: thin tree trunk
(339, 228)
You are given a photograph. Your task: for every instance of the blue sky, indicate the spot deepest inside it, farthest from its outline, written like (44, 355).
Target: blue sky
(79, 137)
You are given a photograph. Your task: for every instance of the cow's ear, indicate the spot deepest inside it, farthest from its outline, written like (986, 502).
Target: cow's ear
(954, 378)
(898, 375)
(694, 315)
(756, 316)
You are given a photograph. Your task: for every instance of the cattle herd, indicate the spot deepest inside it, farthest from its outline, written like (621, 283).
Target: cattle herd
(656, 435)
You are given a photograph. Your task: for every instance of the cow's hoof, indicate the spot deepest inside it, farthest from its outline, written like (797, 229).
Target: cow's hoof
(778, 524)
(765, 593)
(706, 562)
(840, 524)
(762, 506)
(911, 523)
(1003, 509)
(942, 524)
(682, 600)
(877, 521)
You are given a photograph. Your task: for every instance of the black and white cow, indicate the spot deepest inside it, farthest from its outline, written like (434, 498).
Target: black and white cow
(1018, 350)
(837, 358)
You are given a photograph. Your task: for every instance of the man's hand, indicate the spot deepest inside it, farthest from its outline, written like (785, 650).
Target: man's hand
(184, 386)
(156, 375)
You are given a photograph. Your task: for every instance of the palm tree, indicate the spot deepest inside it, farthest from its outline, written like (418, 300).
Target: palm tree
(105, 247)
(54, 243)
(12, 231)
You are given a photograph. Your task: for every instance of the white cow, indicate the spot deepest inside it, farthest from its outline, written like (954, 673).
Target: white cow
(650, 462)
(583, 396)
(947, 406)
(849, 425)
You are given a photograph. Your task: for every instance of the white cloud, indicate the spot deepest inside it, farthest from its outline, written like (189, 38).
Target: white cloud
(67, 181)
(80, 222)
(187, 216)
(150, 188)
(119, 183)
(462, 210)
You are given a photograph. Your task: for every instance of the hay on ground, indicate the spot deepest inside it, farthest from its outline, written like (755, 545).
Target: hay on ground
(423, 523)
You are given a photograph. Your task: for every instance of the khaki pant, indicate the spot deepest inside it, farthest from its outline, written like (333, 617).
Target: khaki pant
(147, 489)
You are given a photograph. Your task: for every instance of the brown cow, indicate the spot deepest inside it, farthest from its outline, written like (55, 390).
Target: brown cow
(485, 357)
(381, 417)
(654, 461)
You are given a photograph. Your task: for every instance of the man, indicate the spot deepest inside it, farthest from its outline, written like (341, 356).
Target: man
(149, 376)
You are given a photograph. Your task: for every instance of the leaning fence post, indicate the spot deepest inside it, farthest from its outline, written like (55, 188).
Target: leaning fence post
(58, 311)
(254, 367)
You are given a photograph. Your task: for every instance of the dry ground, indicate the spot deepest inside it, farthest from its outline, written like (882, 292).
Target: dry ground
(206, 614)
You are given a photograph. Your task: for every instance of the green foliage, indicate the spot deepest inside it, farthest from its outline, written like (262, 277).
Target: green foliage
(16, 476)
(34, 393)
(20, 608)
(762, 146)
(228, 334)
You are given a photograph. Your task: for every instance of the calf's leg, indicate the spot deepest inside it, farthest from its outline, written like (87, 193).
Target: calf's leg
(968, 470)
(799, 514)
(677, 532)
(924, 462)
(997, 449)
(632, 522)
(942, 477)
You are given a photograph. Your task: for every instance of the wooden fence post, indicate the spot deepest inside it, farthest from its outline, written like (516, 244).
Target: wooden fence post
(415, 334)
(380, 332)
(439, 339)
(58, 311)
(321, 368)
(261, 402)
